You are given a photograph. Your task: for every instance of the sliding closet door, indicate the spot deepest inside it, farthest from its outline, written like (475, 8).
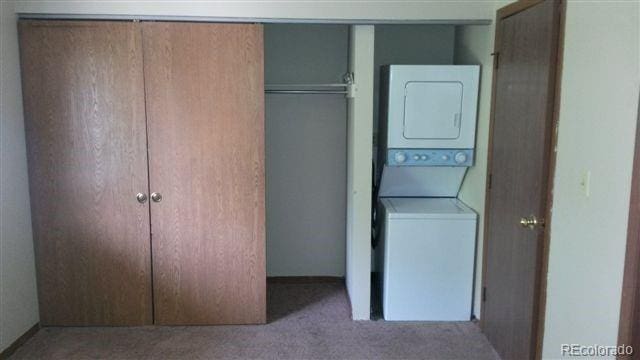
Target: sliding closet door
(85, 123)
(205, 101)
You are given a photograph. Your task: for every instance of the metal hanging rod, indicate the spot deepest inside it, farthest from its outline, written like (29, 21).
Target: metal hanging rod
(289, 86)
(328, 92)
(306, 89)
(330, 88)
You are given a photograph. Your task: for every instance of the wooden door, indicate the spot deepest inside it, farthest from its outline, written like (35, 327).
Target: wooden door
(205, 103)
(520, 160)
(85, 124)
(629, 327)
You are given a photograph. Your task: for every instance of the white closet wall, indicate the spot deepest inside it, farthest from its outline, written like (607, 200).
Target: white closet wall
(305, 151)
(18, 292)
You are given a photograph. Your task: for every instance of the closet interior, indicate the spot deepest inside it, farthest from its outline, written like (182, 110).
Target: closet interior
(424, 237)
(306, 154)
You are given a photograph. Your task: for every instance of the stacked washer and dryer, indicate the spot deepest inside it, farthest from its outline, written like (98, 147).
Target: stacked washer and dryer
(425, 236)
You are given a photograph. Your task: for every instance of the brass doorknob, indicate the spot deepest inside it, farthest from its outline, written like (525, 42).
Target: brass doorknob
(156, 197)
(142, 198)
(531, 222)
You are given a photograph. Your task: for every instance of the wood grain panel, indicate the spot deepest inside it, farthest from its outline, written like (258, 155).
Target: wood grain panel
(629, 328)
(205, 103)
(520, 160)
(85, 123)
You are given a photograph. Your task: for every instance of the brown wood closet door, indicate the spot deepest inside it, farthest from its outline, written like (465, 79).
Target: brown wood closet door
(85, 124)
(205, 103)
(526, 43)
(629, 329)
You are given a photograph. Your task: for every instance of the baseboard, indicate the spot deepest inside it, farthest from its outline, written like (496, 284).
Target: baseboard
(305, 279)
(19, 342)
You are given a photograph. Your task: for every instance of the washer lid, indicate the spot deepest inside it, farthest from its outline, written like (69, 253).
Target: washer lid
(427, 208)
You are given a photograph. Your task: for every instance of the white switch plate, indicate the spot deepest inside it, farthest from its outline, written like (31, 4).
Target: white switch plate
(585, 183)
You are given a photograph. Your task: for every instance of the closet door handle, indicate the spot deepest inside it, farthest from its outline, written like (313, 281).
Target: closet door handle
(141, 197)
(156, 197)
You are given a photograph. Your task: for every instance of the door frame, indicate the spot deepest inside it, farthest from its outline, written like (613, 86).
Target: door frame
(543, 247)
(629, 304)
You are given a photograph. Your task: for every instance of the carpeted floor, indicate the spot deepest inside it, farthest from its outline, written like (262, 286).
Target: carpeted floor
(306, 321)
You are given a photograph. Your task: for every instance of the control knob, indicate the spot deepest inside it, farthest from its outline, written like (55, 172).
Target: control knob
(400, 157)
(460, 157)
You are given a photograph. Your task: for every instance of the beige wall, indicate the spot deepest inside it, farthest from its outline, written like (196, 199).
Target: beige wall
(598, 110)
(474, 46)
(18, 300)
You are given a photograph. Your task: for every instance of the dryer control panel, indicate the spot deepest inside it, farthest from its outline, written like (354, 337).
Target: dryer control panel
(430, 157)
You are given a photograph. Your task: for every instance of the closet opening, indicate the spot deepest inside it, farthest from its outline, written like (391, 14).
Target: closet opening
(305, 73)
(429, 174)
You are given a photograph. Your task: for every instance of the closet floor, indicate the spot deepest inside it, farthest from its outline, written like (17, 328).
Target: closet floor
(306, 321)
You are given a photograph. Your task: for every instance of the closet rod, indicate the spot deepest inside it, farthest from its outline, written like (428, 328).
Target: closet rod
(308, 85)
(329, 92)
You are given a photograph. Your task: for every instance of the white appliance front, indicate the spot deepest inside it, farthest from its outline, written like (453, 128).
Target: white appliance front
(438, 101)
(427, 129)
(427, 250)
(428, 181)
(431, 106)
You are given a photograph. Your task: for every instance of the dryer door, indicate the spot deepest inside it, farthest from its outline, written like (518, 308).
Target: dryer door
(432, 110)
